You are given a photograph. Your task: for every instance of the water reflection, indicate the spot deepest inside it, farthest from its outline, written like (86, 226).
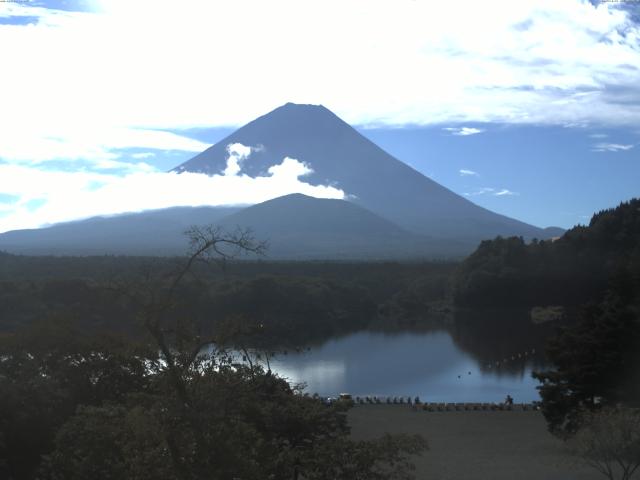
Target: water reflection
(435, 365)
(502, 341)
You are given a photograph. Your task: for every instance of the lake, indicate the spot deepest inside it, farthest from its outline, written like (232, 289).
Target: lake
(432, 365)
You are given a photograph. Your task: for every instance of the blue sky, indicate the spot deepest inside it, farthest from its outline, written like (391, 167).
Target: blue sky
(542, 175)
(529, 108)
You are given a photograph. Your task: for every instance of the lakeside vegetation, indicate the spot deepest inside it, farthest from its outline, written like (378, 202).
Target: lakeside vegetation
(593, 273)
(78, 403)
(102, 373)
(299, 303)
(575, 269)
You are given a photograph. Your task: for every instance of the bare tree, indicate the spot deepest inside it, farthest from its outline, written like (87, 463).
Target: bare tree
(201, 415)
(178, 339)
(609, 442)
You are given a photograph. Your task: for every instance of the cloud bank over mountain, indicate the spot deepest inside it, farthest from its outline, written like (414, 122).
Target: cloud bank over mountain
(179, 76)
(33, 197)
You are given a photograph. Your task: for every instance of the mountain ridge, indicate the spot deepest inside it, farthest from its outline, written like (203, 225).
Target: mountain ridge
(342, 157)
(152, 232)
(298, 226)
(390, 210)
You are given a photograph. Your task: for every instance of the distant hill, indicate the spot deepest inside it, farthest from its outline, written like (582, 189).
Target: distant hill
(375, 180)
(552, 232)
(154, 232)
(390, 210)
(298, 226)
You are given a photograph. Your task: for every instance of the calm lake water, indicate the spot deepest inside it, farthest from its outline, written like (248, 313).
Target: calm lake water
(432, 365)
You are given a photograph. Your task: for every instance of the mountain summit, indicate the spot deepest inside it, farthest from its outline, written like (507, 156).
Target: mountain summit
(390, 210)
(371, 177)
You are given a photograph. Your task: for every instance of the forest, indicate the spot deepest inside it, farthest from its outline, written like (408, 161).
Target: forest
(120, 367)
(128, 379)
(574, 269)
(593, 273)
(299, 302)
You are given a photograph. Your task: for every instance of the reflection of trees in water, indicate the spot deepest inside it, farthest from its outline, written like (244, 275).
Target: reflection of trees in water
(502, 341)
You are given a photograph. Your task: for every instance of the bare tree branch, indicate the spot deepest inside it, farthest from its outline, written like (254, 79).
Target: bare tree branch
(609, 442)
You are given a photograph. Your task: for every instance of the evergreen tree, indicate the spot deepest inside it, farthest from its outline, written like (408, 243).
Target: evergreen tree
(595, 362)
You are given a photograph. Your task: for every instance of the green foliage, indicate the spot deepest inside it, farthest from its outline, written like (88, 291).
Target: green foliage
(300, 302)
(569, 271)
(290, 312)
(595, 363)
(424, 297)
(596, 355)
(107, 442)
(46, 372)
(77, 405)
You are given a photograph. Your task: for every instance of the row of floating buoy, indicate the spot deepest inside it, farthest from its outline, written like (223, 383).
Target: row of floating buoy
(519, 356)
(457, 407)
(387, 400)
(445, 407)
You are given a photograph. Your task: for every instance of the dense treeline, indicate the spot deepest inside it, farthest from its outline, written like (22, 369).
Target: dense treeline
(106, 267)
(595, 362)
(293, 311)
(77, 404)
(593, 270)
(572, 270)
(296, 302)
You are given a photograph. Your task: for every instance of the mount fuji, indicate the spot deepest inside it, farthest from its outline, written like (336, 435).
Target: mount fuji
(340, 156)
(388, 210)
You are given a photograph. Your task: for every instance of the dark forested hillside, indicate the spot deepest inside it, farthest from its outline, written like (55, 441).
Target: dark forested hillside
(595, 271)
(574, 269)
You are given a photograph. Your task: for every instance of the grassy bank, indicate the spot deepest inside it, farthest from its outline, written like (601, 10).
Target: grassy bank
(475, 445)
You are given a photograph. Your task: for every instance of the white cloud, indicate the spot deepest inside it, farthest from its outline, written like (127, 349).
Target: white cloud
(237, 153)
(611, 147)
(463, 131)
(67, 196)
(503, 192)
(122, 166)
(531, 61)
(491, 191)
(142, 155)
(467, 173)
(86, 93)
(598, 135)
(36, 143)
(480, 191)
